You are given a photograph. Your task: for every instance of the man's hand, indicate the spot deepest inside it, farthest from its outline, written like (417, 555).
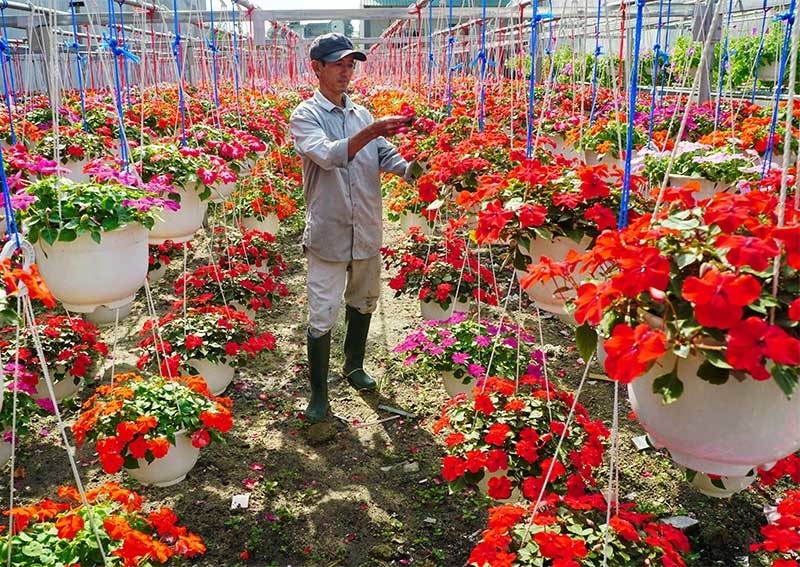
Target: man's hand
(391, 125)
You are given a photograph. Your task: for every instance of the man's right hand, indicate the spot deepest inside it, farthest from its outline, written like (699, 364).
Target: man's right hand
(390, 125)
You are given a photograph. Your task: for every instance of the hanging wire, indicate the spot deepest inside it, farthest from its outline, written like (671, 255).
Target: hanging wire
(764, 9)
(75, 46)
(212, 46)
(723, 65)
(450, 41)
(176, 53)
(657, 55)
(598, 51)
(5, 60)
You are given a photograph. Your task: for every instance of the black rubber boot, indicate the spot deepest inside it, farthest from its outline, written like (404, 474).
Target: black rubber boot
(319, 354)
(355, 345)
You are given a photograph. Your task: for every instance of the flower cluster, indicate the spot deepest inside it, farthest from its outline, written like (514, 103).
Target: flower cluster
(170, 165)
(781, 537)
(63, 532)
(511, 431)
(262, 193)
(439, 269)
(254, 248)
(138, 418)
(572, 530)
(161, 255)
(236, 283)
(27, 405)
(72, 349)
(217, 334)
(726, 164)
(470, 348)
(699, 280)
(11, 278)
(63, 210)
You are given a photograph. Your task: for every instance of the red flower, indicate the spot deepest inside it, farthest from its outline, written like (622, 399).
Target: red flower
(794, 310)
(753, 339)
(625, 529)
(601, 215)
(790, 236)
(719, 298)
(200, 438)
(453, 468)
(497, 434)
(69, 525)
(454, 439)
(748, 250)
(631, 351)
(642, 268)
(491, 221)
(531, 215)
(496, 460)
(499, 487)
(192, 342)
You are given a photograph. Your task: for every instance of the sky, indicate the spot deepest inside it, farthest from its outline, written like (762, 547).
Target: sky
(306, 4)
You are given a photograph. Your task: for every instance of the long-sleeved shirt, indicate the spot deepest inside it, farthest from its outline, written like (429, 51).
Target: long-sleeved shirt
(344, 209)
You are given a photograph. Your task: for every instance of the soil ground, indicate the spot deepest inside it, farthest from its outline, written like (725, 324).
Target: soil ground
(364, 489)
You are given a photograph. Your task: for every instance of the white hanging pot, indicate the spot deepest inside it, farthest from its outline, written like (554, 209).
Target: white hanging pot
(453, 386)
(180, 226)
(723, 486)
(65, 388)
(483, 486)
(157, 275)
(270, 224)
(5, 450)
(432, 311)
(104, 316)
(84, 274)
(769, 72)
(411, 220)
(724, 430)
(75, 172)
(545, 294)
(172, 467)
(707, 190)
(221, 191)
(217, 376)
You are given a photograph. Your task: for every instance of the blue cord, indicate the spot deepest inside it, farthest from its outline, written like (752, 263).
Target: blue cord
(3, 6)
(788, 17)
(212, 45)
(532, 80)
(666, 49)
(176, 52)
(725, 57)
(657, 55)
(125, 59)
(235, 55)
(758, 52)
(598, 51)
(6, 59)
(116, 51)
(450, 41)
(11, 223)
(482, 58)
(626, 179)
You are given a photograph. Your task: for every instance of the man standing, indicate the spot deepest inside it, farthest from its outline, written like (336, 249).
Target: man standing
(343, 152)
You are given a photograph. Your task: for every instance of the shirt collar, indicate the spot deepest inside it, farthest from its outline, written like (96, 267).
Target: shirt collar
(327, 104)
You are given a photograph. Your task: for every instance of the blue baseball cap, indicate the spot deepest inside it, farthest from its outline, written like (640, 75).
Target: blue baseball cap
(331, 47)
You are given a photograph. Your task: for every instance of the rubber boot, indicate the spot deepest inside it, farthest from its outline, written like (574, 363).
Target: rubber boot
(355, 345)
(319, 353)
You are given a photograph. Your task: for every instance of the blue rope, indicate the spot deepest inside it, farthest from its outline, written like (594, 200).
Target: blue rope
(666, 49)
(125, 60)
(3, 6)
(532, 81)
(176, 52)
(430, 49)
(5, 58)
(788, 17)
(758, 52)
(11, 223)
(657, 55)
(450, 41)
(724, 63)
(482, 58)
(75, 46)
(212, 45)
(598, 51)
(626, 179)
(117, 51)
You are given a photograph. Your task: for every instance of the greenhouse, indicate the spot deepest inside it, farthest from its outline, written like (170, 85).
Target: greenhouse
(367, 283)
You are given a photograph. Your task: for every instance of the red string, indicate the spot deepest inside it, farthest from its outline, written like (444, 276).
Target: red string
(621, 69)
(89, 55)
(153, 48)
(419, 48)
(250, 67)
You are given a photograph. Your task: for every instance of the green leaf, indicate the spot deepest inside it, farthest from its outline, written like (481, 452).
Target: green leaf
(717, 481)
(49, 235)
(786, 378)
(709, 372)
(668, 386)
(586, 341)
(95, 236)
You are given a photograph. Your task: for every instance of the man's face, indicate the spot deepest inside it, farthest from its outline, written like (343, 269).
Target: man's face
(335, 77)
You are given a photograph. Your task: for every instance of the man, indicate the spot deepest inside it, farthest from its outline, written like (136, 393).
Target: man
(343, 152)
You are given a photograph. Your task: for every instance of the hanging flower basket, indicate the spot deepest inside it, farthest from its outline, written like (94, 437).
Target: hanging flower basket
(432, 311)
(269, 223)
(170, 469)
(180, 226)
(217, 376)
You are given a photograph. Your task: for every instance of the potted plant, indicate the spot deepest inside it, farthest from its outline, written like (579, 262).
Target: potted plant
(572, 530)
(604, 141)
(546, 210)
(403, 204)
(81, 230)
(698, 310)
(72, 349)
(162, 255)
(441, 271)
(153, 426)
(66, 531)
(208, 340)
(20, 405)
(257, 249)
(713, 169)
(184, 175)
(237, 284)
(76, 147)
(466, 350)
(780, 544)
(262, 200)
(509, 438)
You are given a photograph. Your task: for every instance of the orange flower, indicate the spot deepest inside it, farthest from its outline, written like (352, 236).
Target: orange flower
(69, 525)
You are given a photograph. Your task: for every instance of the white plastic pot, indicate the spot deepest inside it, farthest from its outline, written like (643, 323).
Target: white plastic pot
(432, 311)
(270, 224)
(172, 467)
(217, 376)
(180, 226)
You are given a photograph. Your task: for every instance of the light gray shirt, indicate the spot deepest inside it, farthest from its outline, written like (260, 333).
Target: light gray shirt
(344, 209)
